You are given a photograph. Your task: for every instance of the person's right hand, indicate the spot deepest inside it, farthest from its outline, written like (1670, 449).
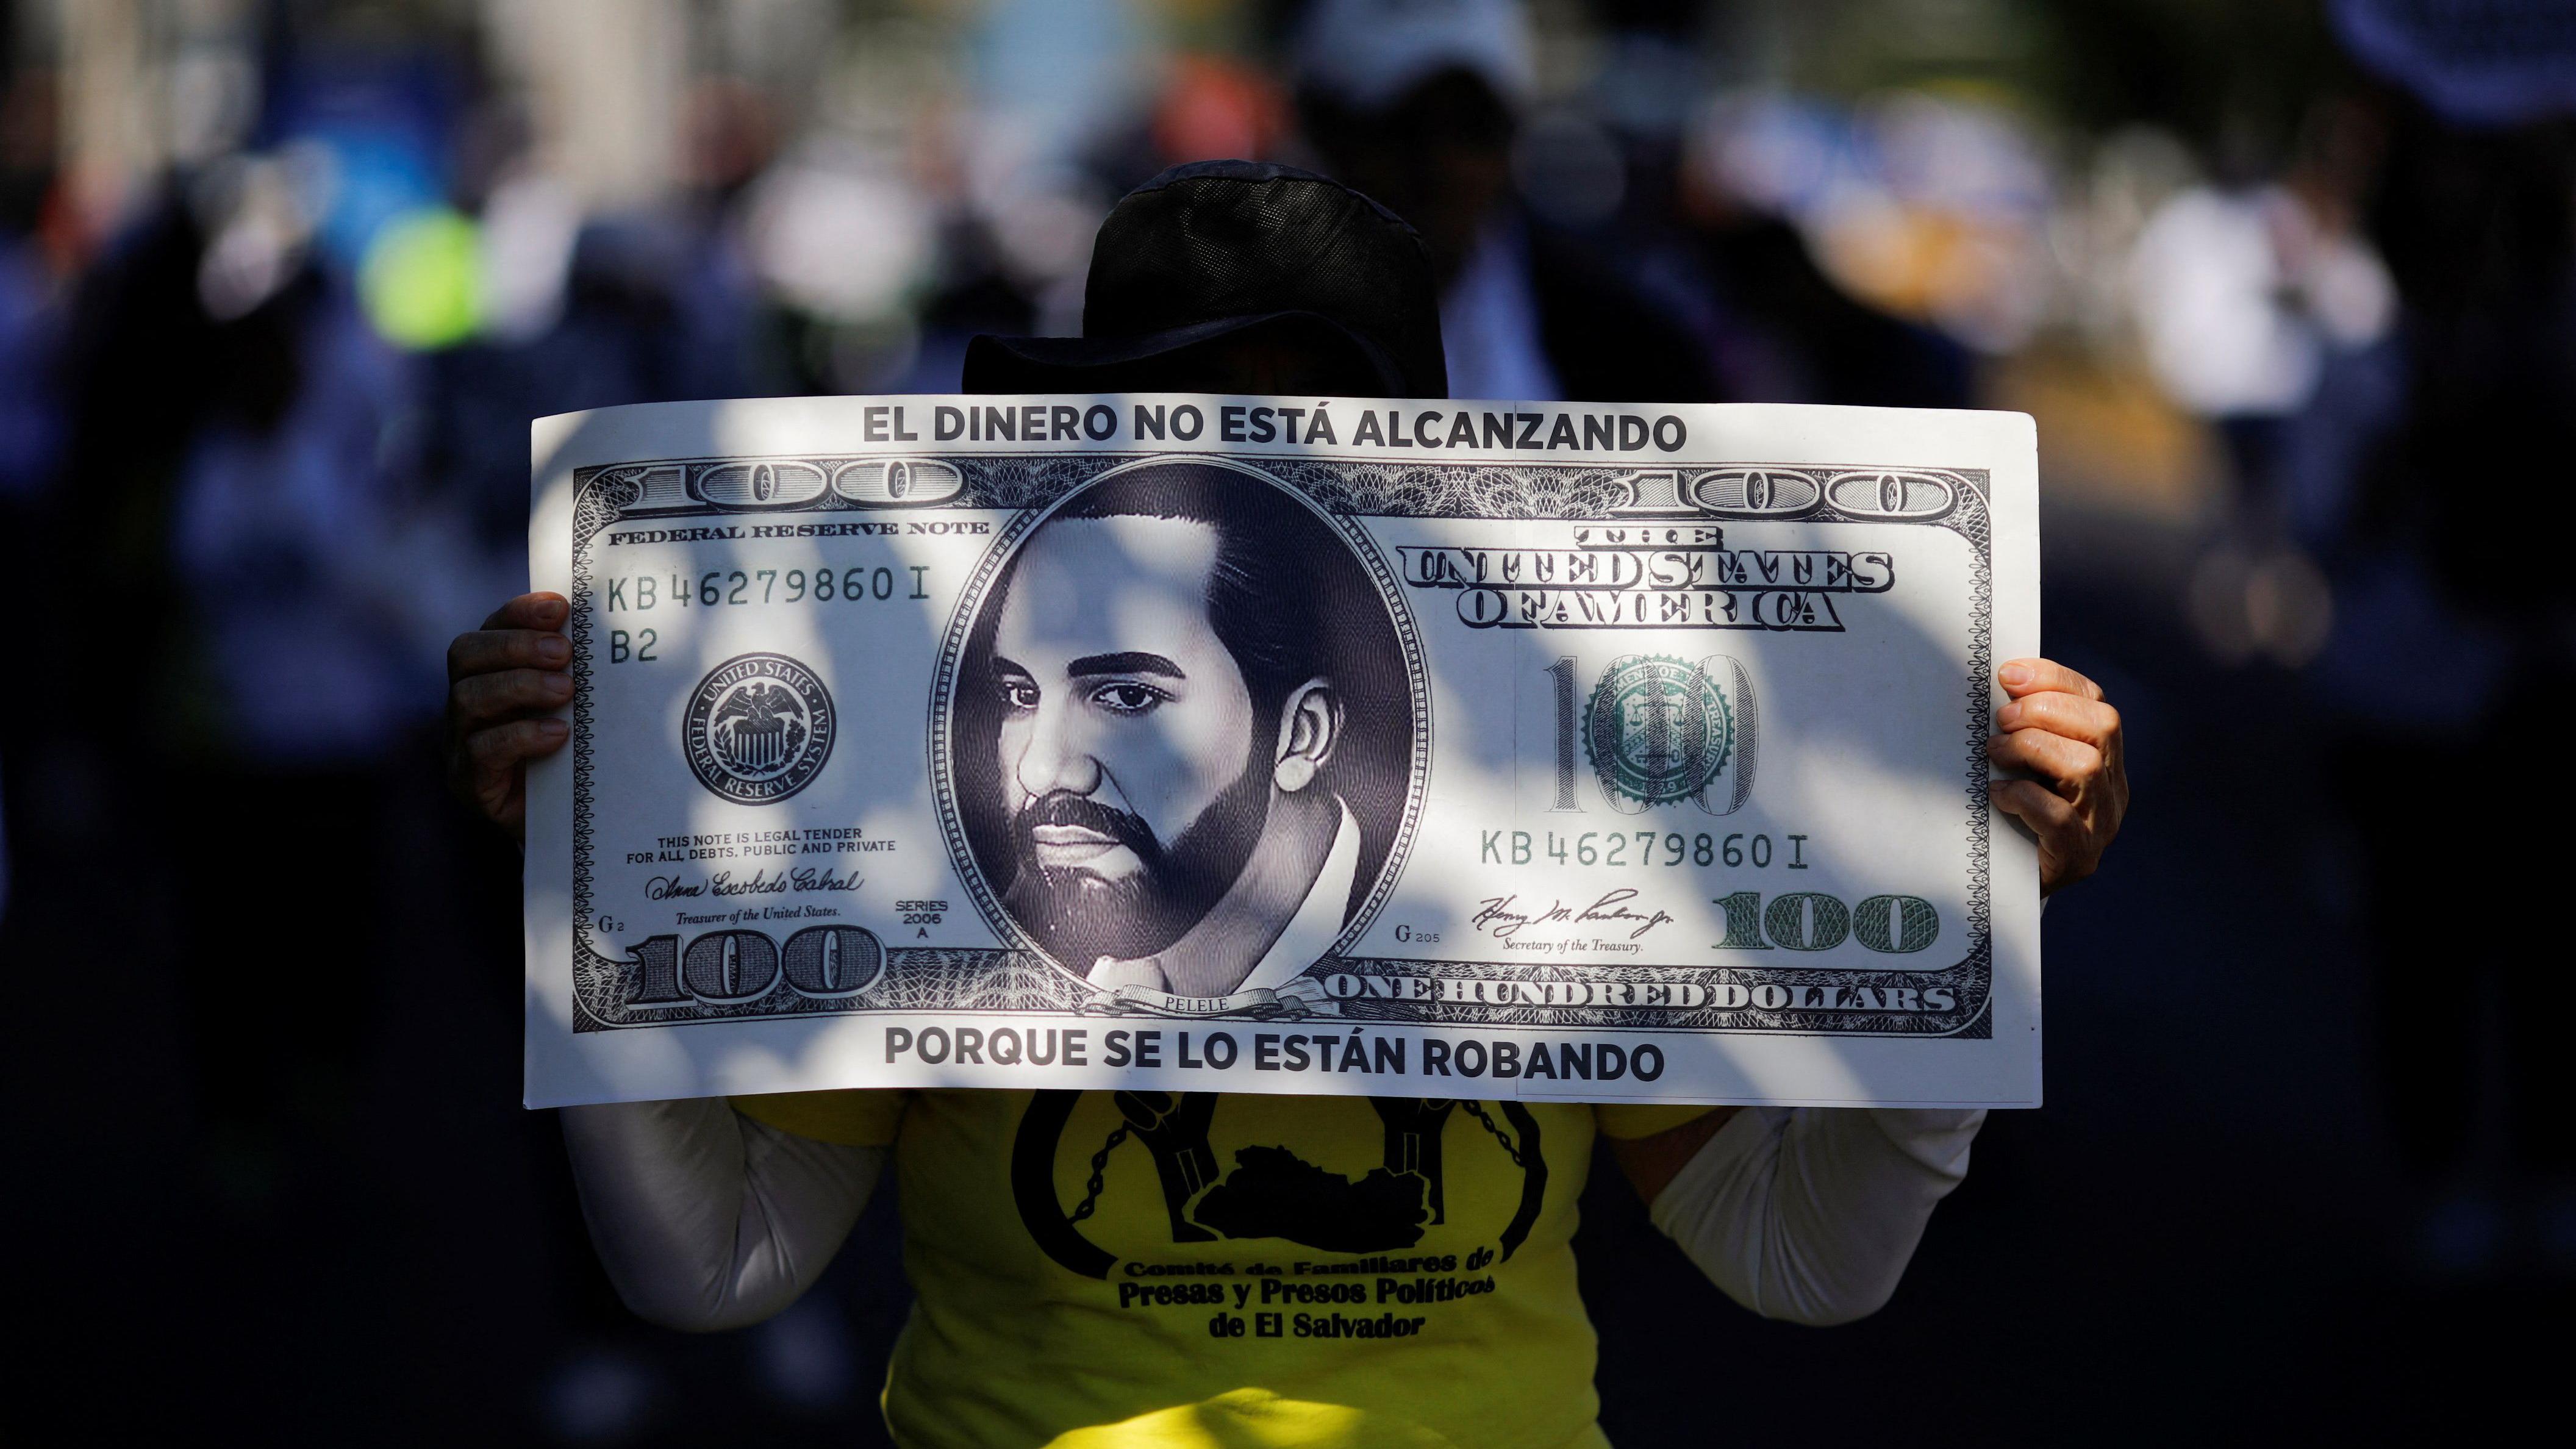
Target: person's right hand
(504, 683)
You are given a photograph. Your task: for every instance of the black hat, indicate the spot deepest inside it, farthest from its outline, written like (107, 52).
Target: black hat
(1222, 249)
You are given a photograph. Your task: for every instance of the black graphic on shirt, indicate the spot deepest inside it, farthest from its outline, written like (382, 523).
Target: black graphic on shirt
(1175, 1130)
(1271, 1191)
(1413, 1126)
(1274, 1193)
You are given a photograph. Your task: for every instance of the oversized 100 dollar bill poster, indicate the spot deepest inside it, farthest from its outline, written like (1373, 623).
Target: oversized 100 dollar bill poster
(1440, 749)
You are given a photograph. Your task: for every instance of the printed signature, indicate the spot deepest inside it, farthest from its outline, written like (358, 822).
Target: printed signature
(761, 883)
(1498, 917)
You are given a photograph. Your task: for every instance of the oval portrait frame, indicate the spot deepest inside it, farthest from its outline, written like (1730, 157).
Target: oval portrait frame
(971, 603)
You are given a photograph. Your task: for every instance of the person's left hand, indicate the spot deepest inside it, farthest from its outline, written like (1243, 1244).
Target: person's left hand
(2057, 727)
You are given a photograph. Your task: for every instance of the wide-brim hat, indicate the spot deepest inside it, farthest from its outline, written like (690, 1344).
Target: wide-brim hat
(1215, 253)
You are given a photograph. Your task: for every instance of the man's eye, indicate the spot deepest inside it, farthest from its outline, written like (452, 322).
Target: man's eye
(1019, 694)
(1128, 698)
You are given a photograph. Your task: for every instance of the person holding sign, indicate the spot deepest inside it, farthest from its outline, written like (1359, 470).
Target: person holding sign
(1148, 1267)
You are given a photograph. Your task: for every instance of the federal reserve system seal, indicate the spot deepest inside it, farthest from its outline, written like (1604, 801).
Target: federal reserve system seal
(758, 728)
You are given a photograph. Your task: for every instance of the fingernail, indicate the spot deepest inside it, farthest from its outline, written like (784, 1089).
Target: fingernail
(553, 729)
(558, 684)
(2008, 713)
(553, 649)
(2015, 674)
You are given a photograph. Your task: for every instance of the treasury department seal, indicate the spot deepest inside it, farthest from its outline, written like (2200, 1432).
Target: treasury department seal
(758, 728)
(1657, 730)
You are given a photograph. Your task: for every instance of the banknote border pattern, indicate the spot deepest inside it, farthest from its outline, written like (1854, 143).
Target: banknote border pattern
(960, 979)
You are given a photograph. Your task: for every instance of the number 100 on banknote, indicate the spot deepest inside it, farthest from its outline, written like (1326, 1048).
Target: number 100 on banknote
(1321, 745)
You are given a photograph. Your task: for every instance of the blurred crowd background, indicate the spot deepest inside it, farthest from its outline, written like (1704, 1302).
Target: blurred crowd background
(2286, 283)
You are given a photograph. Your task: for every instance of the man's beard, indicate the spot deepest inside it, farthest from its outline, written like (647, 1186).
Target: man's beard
(1079, 917)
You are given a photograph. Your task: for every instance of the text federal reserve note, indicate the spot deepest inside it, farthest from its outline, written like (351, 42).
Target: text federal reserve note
(1447, 749)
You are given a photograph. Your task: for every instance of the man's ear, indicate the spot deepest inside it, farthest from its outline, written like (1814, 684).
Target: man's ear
(1310, 725)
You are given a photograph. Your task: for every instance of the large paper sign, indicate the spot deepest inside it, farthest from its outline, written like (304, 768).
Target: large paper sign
(1433, 749)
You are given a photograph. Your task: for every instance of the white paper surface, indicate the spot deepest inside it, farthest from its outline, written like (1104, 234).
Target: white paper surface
(1283, 744)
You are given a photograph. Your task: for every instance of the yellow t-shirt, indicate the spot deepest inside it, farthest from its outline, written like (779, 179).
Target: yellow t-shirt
(1198, 1270)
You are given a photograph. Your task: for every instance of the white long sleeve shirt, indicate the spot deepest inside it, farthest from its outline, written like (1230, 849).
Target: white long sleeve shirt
(707, 1219)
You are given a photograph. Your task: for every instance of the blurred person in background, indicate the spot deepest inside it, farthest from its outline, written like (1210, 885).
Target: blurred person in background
(30, 287)
(280, 539)
(2427, 475)
(242, 488)
(714, 1213)
(2247, 288)
(232, 478)
(30, 346)
(1415, 103)
(1788, 332)
(593, 308)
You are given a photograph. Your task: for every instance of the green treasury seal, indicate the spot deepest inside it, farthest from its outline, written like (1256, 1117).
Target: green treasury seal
(1657, 730)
